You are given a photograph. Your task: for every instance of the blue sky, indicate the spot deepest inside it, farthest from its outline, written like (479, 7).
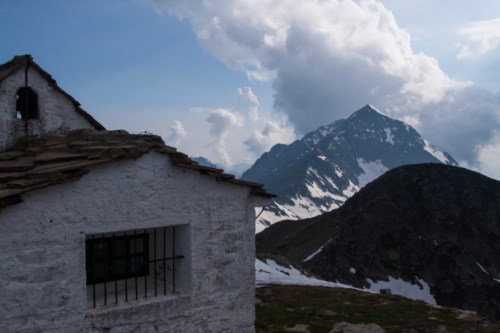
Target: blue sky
(228, 79)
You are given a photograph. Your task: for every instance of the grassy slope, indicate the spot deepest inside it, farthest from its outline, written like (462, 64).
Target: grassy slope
(285, 306)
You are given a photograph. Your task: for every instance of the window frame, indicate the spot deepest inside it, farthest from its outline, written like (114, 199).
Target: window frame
(165, 266)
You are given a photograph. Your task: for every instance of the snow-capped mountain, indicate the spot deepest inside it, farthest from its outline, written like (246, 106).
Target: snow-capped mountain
(317, 173)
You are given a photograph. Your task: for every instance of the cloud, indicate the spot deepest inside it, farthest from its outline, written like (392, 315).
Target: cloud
(221, 122)
(235, 139)
(482, 37)
(327, 58)
(273, 133)
(249, 103)
(177, 133)
(490, 163)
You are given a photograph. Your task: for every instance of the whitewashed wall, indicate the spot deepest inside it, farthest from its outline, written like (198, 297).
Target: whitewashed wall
(42, 250)
(57, 112)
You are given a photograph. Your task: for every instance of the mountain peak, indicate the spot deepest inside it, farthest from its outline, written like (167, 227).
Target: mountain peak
(367, 111)
(319, 172)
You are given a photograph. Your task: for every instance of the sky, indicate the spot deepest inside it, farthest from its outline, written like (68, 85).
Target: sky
(229, 79)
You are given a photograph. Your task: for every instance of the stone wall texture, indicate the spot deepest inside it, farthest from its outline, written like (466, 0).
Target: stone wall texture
(42, 250)
(56, 112)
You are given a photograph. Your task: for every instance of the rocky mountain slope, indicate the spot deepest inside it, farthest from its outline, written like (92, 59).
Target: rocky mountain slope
(431, 225)
(319, 172)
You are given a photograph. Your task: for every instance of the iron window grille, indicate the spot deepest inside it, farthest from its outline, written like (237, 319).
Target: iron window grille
(116, 258)
(132, 265)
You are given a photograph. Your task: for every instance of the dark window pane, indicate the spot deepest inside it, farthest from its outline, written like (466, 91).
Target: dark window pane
(115, 258)
(119, 247)
(99, 251)
(119, 267)
(137, 245)
(99, 271)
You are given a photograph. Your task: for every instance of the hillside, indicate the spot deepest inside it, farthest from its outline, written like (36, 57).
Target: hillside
(432, 225)
(320, 309)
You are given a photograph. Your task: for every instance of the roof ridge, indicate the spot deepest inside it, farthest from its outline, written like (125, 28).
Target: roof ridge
(36, 162)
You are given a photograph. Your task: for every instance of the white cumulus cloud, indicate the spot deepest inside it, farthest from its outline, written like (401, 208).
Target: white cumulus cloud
(221, 122)
(273, 133)
(489, 156)
(249, 103)
(481, 37)
(327, 58)
(177, 133)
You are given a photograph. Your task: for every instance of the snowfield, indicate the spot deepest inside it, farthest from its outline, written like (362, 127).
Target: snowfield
(269, 272)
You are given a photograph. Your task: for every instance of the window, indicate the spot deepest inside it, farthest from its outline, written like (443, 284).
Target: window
(26, 103)
(116, 258)
(131, 265)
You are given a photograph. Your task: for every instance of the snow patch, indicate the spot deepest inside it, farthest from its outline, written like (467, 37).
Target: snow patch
(313, 172)
(301, 208)
(269, 272)
(316, 252)
(267, 217)
(331, 182)
(388, 136)
(371, 170)
(322, 157)
(350, 190)
(438, 154)
(482, 268)
(339, 173)
(316, 191)
(304, 207)
(375, 109)
(324, 131)
(406, 289)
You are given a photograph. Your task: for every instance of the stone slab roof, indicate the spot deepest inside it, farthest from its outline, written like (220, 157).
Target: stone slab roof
(21, 61)
(37, 162)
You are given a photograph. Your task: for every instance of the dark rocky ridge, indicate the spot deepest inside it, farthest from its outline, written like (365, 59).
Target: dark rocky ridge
(432, 222)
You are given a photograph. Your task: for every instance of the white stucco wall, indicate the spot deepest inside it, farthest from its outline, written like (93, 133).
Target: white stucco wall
(57, 113)
(42, 250)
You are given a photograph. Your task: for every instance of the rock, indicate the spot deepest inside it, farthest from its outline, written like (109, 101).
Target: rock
(386, 291)
(410, 330)
(325, 313)
(344, 327)
(467, 315)
(298, 328)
